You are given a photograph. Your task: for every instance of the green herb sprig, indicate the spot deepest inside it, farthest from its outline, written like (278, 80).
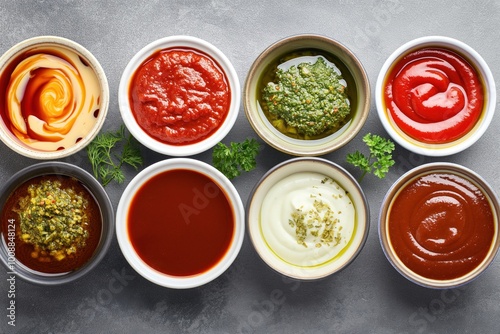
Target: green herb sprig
(378, 161)
(232, 160)
(106, 164)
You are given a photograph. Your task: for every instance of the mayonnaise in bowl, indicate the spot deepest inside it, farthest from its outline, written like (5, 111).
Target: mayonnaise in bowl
(307, 218)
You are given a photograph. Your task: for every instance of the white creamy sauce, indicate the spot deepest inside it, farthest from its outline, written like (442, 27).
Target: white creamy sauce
(307, 219)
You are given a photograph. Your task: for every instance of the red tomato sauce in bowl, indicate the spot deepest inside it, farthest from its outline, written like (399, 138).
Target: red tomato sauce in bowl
(181, 223)
(179, 96)
(441, 225)
(434, 95)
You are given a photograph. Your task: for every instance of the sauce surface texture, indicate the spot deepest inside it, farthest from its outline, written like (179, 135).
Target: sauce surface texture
(50, 98)
(441, 226)
(307, 219)
(180, 96)
(180, 223)
(308, 98)
(434, 96)
(57, 223)
(307, 94)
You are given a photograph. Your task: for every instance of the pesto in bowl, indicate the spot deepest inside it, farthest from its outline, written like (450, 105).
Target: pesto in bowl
(307, 96)
(317, 113)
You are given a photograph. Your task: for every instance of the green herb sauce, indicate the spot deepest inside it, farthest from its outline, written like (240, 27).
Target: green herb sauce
(305, 95)
(53, 219)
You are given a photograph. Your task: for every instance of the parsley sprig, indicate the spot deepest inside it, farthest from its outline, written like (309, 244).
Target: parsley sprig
(378, 161)
(232, 160)
(106, 163)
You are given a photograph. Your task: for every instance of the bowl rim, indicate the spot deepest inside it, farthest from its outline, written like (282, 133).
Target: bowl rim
(402, 181)
(5, 59)
(101, 197)
(178, 282)
(268, 256)
(169, 42)
(488, 82)
(311, 147)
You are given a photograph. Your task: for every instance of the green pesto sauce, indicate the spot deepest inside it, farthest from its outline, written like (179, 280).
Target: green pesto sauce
(53, 219)
(308, 99)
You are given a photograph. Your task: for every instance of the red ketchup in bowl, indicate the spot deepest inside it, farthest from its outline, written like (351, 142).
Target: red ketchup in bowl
(434, 95)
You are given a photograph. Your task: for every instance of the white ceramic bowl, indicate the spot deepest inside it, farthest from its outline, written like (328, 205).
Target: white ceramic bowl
(81, 65)
(485, 77)
(255, 213)
(178, 42)
(346, 60)
(431, 226)
(123, 221)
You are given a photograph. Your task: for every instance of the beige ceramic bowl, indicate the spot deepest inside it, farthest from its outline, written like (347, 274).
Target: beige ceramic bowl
(345, 60)
(312, 263)
(485, 77)
(75, 97)
(428, 229)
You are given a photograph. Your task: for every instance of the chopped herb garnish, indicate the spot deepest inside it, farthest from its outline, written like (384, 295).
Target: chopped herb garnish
(320, 222)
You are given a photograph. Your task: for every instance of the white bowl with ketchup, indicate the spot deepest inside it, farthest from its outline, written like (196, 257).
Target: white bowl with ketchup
(435, 96)
(180, 223)
(179, 95)
(439, 225)
(56, 97)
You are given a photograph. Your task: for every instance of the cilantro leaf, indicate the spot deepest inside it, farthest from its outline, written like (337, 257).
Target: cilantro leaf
(232, 160)
(378, 161)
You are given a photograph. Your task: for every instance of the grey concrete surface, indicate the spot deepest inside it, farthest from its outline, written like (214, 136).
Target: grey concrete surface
(367, 297)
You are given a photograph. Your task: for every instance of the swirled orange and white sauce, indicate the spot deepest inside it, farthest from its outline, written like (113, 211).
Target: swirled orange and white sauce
(51, 98)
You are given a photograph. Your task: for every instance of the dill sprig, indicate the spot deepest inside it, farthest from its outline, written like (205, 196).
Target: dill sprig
(107, 165)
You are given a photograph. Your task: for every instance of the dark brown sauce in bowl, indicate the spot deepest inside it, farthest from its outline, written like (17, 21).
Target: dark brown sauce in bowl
(42, 261)
(20, 257)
